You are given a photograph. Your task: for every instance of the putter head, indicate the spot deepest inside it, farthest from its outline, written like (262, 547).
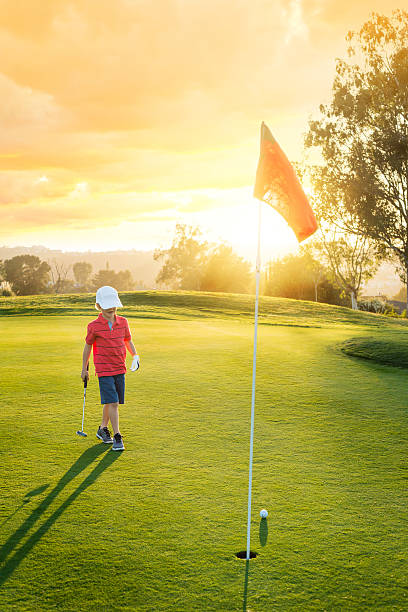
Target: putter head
(81, 433)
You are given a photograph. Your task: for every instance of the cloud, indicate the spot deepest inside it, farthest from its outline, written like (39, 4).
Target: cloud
(25, 116)
(80, 209)
(20, 187)
(128, 65)
(297, 28)
(113, 100)
(134, 65)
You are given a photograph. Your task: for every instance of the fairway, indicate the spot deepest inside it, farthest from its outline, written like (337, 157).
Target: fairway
(157, 526)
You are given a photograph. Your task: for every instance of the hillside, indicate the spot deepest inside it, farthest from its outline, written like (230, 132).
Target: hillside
(193, 305)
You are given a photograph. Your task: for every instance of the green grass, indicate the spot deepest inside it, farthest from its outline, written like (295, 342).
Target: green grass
(180, 305)
(156, 528)
(390, 350)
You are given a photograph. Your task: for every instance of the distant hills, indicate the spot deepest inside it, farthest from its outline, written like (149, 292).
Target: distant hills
(140, 263)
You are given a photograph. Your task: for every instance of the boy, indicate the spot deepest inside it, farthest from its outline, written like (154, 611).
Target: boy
(110, 336)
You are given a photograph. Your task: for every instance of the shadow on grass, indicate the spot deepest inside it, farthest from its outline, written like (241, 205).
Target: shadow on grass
(263, 531)
(27, 498)
(244, 605)
(80, 464)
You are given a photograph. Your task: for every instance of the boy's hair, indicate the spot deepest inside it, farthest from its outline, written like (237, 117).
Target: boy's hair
(97, 306)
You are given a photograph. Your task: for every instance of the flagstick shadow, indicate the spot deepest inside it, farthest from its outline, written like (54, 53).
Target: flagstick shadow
(244, 605)
(27, 498)
(23, 503)
(80, 464)
(12, 563)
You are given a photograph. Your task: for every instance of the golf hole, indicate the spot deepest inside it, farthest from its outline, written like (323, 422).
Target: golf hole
(243, 554)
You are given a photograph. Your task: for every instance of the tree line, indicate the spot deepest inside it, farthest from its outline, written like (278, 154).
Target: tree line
(194, 264)
(29, 275)
(332, 272)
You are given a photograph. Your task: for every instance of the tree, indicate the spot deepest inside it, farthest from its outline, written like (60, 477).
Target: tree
(5, 287)
(82, 272)
(314, 267)
(225, 271)
(193, 264)
(400, 296)
(288, 277)
(27, 274)
(297, 277)
(102, 278)
(184, 260)
(350, 261)
(59, 272)
(122, 280)
(363, 137)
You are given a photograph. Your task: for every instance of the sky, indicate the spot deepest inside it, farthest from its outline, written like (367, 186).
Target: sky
(121, 119)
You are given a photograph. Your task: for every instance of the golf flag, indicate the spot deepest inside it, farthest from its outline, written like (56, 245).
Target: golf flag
(277, 185)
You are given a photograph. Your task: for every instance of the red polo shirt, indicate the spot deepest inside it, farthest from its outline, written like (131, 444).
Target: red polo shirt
(109, 350)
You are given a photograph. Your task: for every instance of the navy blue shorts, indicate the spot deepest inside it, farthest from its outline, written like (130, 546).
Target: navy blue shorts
(112, 389)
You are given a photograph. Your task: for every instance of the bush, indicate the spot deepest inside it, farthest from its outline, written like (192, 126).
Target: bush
(379, 307)
(374, 305)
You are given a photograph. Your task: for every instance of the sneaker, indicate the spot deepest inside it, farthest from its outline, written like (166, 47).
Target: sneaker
(104, 434)
(118, 442)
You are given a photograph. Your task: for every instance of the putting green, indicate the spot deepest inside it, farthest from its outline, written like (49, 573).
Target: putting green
(156, 527)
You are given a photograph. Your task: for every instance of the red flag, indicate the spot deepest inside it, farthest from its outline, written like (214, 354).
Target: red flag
(277, 185)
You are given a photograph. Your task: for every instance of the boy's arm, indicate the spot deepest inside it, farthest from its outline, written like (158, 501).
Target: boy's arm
(136, 361)
(130, 347)
(85, 358)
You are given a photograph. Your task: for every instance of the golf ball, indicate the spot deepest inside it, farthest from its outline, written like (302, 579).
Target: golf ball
(263, 513)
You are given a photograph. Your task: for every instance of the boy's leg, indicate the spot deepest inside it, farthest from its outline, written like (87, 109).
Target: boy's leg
(103, 432)
(113, 410)
(105, 415)
(108, 395)
(114, 419)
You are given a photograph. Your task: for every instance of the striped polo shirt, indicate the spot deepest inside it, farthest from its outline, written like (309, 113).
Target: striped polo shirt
(109, 350)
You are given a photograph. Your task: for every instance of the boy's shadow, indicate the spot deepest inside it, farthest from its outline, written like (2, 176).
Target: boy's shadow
(80, 464)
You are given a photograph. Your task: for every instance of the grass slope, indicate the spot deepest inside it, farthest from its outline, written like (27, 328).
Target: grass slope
(390, 350)
(170, 305)
(156, 528)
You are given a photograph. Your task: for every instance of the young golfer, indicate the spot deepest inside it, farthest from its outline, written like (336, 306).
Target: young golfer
(109, 335)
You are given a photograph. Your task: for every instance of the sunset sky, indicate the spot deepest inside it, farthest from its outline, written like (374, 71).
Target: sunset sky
(121, 118)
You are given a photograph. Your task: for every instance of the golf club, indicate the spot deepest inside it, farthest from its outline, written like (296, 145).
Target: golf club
(82, 433)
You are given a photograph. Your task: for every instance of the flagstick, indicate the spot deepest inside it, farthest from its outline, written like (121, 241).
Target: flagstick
(251, 446)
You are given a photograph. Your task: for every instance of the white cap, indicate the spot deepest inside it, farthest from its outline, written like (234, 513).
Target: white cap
(107, 297)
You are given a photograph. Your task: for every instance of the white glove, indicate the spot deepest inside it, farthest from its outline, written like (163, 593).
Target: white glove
(135, 363)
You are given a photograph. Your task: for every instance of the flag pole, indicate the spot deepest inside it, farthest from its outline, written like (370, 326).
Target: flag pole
(251, 446)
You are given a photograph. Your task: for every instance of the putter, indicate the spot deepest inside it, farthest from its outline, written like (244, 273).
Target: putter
(82, 433)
